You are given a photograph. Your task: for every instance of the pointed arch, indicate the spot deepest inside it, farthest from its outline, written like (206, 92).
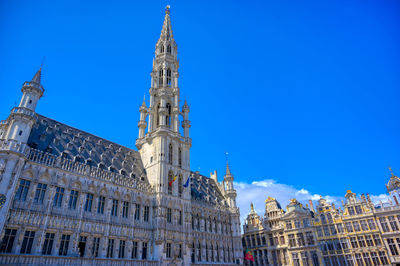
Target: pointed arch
(162, 48)
(169, 48)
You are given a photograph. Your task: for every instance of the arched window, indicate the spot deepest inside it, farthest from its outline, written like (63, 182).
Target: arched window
(169, 77)
(329, 216)
(170, 182)
(170, 150)
(168, 115)
(180, 157)
(161, 77)
(217, 253)
(162, 48)
(169, 49)
(323, 219)
(215, 225)
(180, 185)
(198, 223)
(210, 225)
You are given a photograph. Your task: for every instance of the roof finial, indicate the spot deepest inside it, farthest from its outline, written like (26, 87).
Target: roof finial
(167, 11)
(252, 207)
(41, 65)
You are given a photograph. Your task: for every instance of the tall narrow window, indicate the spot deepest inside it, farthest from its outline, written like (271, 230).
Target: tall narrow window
(23, 189)
(88, 203)
(110, 248)
(40, 192)
(168, 250)
(125, 209)
(73, 198)
(180, 217)
(169, 77)
(168, 121)
(64, 243)
(179, 251)
(48, 243)
(146, 213)
(26, 247)
(180, 157)
(170, 150)
(82, 245)
(169, 49)
(137, 212)
(58, 197)
(8, 240)
(114, 209)
(134, 249)
(121, 253)
(169, 215)
(162, 48)
(161, 77)
(96, 245)
(100, 207)
(144, 251)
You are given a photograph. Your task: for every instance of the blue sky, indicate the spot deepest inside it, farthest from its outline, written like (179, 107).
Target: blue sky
(300, 93)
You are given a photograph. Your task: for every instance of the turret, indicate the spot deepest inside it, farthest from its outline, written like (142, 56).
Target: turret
(142, 124)
(230, 192)
(186, 122)
(22, 118)
(32, 91)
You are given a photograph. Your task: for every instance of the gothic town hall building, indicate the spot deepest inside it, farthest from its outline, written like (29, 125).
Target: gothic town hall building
(68, 197)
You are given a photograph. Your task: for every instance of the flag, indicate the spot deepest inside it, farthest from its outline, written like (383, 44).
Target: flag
(249, 255)
(187, 182)
(172, 181)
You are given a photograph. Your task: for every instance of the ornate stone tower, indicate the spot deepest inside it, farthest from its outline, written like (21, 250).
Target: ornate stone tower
(14, 134)
(164, 150)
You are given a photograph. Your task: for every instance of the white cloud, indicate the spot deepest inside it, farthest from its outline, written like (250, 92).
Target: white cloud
(258, 191)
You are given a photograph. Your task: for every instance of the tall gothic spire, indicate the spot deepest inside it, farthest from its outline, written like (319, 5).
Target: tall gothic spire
(166, 32)
(38, 76)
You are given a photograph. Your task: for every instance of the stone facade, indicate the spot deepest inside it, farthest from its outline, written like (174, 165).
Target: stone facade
(69, 197)
(360, 234)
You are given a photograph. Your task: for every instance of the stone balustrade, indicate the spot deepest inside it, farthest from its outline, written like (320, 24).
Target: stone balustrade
(20, 259)
(13, 146)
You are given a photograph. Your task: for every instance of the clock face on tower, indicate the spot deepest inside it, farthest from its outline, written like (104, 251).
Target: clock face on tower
(3, 199)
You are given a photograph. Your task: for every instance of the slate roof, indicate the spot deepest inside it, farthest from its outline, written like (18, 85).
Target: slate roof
(53, 137)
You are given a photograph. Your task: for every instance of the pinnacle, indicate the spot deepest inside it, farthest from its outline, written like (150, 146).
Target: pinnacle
(38, 76)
